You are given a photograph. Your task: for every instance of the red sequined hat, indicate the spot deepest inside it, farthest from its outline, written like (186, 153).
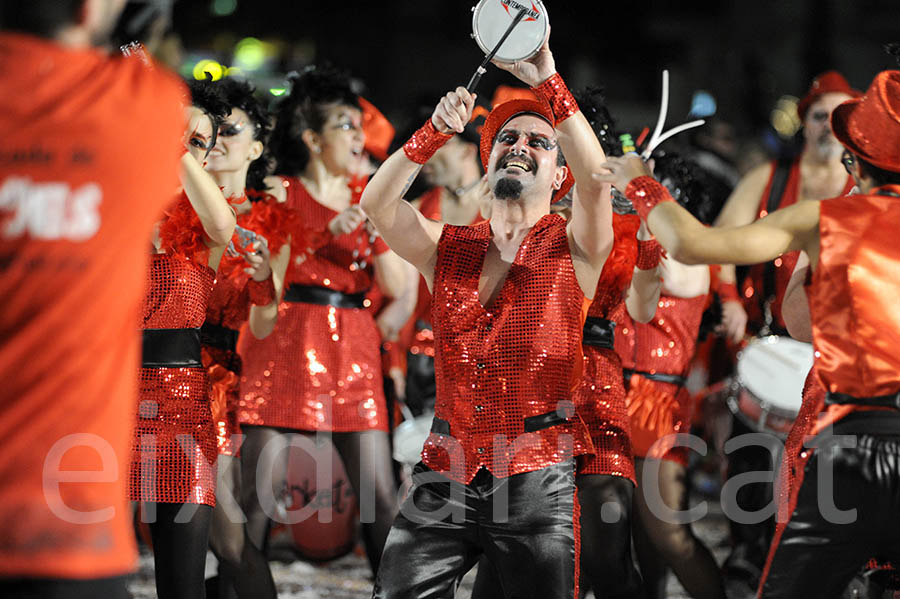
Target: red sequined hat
(870, 126)
(379, 131)
(500, 115)
(826, 83)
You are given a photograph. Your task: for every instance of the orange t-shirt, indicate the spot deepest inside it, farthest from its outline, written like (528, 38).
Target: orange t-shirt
(88, 158)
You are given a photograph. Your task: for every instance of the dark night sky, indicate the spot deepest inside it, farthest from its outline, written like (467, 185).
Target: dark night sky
(746, 53)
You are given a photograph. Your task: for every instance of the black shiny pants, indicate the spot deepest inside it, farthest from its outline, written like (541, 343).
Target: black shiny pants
(525, 524)
(821, 549)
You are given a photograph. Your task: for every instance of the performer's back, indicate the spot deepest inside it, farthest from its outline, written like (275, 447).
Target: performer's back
(88, 160)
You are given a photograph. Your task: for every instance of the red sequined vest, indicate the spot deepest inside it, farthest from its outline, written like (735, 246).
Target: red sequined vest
(505, 375)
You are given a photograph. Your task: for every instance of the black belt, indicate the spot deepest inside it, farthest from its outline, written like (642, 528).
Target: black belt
(881, 401)
(660, 377)
(171, 348)
(532, 423)
(310, 294)
(218, 336)
(599, 332)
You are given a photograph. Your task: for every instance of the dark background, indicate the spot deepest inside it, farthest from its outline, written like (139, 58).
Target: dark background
(747, 53)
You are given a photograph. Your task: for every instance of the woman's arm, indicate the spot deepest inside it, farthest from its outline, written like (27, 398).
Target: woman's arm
(795, 305)
(263, 318)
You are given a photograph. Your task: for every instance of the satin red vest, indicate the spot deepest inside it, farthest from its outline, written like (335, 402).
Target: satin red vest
(505, 374)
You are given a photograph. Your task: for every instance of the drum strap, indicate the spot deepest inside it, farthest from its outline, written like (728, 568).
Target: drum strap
(882, 401)
(776, 192)
(660, 377)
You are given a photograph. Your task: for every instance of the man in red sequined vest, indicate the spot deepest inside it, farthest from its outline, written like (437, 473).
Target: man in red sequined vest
(510, 296)
(847, 506)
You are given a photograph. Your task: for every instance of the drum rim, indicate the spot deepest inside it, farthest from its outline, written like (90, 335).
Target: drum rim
(476, 10)
(737, 380)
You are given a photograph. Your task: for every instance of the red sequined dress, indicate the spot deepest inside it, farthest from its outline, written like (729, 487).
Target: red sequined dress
(660, 348)
(855, 331)
(600, 399)
(784, 265)
(320, 369)
(506, 373)
(174, 449)
(229, 309)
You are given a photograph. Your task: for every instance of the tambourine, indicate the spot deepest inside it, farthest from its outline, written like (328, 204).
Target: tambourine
(507, 31)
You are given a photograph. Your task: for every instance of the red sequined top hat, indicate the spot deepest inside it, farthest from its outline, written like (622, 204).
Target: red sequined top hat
(379, 131)
(501, 114)
(826, 83)
(870, 126)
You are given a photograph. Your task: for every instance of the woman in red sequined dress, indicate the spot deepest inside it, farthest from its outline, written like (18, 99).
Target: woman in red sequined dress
(250, 278)
(656, 357)
(320, 371)
(174, 451)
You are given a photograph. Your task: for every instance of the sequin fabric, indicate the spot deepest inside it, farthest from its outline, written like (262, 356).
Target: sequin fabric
(600, 398)
(557, 95)
(229, 306)
(645, 194)
(664, 345)
(520, 358)
(753, 285)
(649, 253)
(425, 142)
(320, 369)
(174, 448)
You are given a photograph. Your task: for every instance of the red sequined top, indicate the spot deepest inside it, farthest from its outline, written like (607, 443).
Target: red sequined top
(343, 263)
(666, 344)
(229, 305)
(505, 374)
(179, 281)
(853, 297)
(784, 265)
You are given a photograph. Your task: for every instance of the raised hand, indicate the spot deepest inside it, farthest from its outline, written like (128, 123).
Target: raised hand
(258, 260)
(622, 169)
(347, 221)
(454, 111)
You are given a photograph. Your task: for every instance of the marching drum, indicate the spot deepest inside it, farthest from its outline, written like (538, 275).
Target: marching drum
(491, 19)
(314, 538)
(767, 391)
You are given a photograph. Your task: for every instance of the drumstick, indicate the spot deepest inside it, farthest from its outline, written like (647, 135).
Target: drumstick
(476, 77)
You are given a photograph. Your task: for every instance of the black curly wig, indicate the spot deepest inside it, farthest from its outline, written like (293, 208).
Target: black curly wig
(689, 185)
(592, 102)
(208, 97)
(312, 92)
(239, 93)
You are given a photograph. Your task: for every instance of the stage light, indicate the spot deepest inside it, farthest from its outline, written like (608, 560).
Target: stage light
(215, 70)
(250, 54)
(703, 104)
(223, 8)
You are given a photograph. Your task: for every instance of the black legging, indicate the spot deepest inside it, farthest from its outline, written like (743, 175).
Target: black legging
(367, 459)
(179, 549)
(661, 545)
(60, 588)
(243, 569)
(606, 564)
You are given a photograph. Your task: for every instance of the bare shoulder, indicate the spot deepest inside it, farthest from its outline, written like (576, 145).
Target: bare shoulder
(742, 204)
(275, 183)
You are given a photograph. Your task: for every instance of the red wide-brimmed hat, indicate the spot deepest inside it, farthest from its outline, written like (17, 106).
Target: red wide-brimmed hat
(501, 114)
(379, 131)
(826, 83)
(870, 126)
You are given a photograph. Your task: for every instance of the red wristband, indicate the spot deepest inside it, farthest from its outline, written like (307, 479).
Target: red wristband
(645, 193)
(648, 254)
(262, 293)
(558, 96)
(728, 292)
(424, 143)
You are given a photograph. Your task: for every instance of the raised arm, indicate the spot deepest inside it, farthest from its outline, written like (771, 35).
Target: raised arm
(590, 228)
(412, 236)
(741, 208)
(688, 241)
(642, 296)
